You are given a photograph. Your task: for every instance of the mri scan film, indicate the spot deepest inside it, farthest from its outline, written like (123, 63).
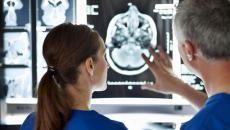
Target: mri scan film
(129, 28)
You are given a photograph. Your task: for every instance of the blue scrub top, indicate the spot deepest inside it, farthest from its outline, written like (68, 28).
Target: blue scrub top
(215, 115)
(81, 120)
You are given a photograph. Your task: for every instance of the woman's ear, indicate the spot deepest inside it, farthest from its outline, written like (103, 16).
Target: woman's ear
(189, 50)
(89, 65)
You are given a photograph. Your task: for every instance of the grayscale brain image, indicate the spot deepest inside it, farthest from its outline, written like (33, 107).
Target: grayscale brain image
(130, 34)
(10, 6)
(129, 28)
(16, 12)
(17, 82)
(54, 12)
(16, 48)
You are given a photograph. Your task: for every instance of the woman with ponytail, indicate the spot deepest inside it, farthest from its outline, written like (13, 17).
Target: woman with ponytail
(76, 68)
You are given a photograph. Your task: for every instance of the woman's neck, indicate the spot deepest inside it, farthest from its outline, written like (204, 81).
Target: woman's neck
(82, 101)
(80, 97)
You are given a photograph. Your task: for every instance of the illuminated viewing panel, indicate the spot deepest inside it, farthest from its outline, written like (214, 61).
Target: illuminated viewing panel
(129, 28)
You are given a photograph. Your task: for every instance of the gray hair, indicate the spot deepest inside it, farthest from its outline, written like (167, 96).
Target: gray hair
(207, 24)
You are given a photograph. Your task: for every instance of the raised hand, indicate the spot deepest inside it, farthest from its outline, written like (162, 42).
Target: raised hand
(161, 67)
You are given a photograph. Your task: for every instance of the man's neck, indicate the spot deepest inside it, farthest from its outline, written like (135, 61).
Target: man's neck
(217, 77)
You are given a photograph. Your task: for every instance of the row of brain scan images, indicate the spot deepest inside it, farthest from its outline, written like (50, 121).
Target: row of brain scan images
(16, 55)
(51, 12)
(129, 28)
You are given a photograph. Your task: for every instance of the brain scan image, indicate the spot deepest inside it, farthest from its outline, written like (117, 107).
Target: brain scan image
(18, 82)
(10, 6)
(54, 11)
(16, 48)
(129, 28)
(130, 34)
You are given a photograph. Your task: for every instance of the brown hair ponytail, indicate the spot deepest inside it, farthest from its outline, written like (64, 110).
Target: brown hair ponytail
(65, 48)
(52, 109)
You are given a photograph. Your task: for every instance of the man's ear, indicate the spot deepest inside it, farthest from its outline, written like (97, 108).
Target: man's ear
(89, 65)
(189, 50)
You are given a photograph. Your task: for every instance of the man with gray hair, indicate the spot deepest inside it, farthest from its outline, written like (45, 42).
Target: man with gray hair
(202, 28)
